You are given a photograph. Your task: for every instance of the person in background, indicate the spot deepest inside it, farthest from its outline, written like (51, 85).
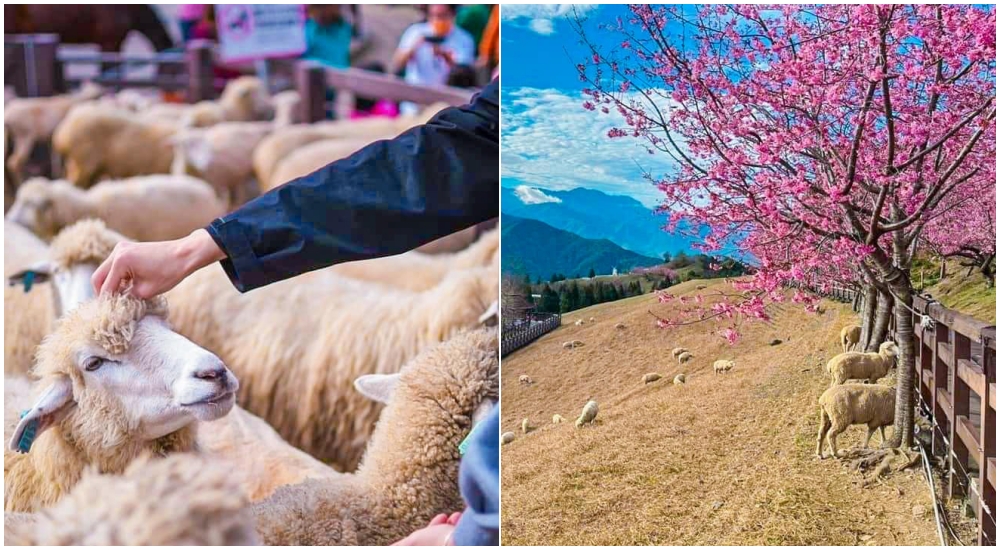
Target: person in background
(188, 15)
(428, 51)
(473, 18)
(328, 36)
(366, 107)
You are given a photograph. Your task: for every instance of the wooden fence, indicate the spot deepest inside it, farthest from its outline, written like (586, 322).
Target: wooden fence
(515, 337)
(956, 367)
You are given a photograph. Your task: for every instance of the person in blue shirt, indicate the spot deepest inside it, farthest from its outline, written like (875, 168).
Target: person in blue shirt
(328, 36)
(389, 197)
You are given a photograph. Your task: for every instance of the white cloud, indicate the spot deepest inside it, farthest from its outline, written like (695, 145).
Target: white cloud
(530, 195)
(551, 142)
(540, 17)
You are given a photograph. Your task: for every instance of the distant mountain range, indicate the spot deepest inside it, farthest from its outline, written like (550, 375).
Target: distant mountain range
(595, 215)
(539, 250)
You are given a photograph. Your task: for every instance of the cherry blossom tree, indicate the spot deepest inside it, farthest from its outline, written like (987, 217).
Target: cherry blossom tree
(822, 141)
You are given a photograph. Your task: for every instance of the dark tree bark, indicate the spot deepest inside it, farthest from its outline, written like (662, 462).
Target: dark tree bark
(880, 326)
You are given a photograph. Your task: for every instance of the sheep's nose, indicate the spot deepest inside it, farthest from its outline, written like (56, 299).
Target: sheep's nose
(212, 373)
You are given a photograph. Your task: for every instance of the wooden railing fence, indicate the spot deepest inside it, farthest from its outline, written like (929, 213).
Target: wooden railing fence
(516, 335)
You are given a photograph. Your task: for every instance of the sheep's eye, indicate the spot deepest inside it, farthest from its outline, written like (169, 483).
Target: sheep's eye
(93, 363)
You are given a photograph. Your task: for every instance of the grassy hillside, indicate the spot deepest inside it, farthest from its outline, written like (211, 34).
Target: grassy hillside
(720, 460)
(539, 250)
(969, 294)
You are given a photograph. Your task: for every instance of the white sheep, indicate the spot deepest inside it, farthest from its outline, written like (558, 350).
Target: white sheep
(21, 248)
(117, 383)
(558, 419)
(579, 322)
(411, 464)
(650, 377)
(507, 437)
(525, 426)
(588, 415)
(100, 142)
(221, 154)
(620, 326)
(524, 380)
(592, 319)
(31, 121)
(848, 404)
(684, 357)
(178, 500)
(723, 366)
(849, 336)
(244, 99)
(680, 379)
(146, 208)
(677, 351)
(418, 271)
(855, 365)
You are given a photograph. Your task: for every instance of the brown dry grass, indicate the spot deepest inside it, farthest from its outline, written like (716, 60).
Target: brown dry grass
(721, 460)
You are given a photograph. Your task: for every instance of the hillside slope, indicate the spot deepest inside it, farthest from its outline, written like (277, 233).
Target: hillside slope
(720, 460)
(533, 248)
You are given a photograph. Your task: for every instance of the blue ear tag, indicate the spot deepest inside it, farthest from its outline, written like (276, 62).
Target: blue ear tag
(464, 445)
(29, 279)
(28, 435)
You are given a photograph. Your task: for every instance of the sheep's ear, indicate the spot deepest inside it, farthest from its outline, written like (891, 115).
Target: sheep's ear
(490, 313)
(377, 387)
(40, 272)
(55, 401)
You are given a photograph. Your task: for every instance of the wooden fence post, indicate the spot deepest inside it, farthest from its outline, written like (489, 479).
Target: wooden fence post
(47, 67)
(201, 80)
(958, 348)
(940, 404)
(310, 82)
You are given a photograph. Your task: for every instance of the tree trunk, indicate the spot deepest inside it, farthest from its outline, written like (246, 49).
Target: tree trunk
(902, 433)
(869, 301)
(883, 313)
(986, 268)
(944, 268)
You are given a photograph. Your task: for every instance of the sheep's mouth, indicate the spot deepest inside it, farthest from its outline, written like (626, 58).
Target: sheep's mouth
(217, 400)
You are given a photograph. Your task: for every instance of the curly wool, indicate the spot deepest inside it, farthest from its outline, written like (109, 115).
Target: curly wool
(849, 404)
(84, 242)
(410, 468)
(179, 500)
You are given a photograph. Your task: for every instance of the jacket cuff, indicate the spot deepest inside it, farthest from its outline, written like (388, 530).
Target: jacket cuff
(469, 533)
(241, 264)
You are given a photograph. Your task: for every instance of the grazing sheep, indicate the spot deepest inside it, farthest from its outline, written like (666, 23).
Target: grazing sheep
(524, 379)
(411, 464)
(588, 415)
(848, 404)
(620, 326)
(507, 437)
(29, 121)
(680, 379)
(116, 383)
(100, 142)
(579, 322)
(684, 357)
(418, 271)
(677, 351)
(312, 157)
(723, 366)
(221, 154)
(557, 419)
(849, 337)
(525, 426)
(591, 319)
(178, 500)
(244, 99)
(855, 365)
(145, 208)
(57, 283)
(650, 377)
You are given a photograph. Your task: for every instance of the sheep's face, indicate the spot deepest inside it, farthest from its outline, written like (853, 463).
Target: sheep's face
(889, 348)
(117, 367)
(249, 97)
(34, 208)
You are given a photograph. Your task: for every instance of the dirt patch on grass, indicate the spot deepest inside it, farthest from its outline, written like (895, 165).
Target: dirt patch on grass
(720, 460)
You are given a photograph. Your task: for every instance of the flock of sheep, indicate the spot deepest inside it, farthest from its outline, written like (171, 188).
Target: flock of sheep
(355, 384)
(843, 404)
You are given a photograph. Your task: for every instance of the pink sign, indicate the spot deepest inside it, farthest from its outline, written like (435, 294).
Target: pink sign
(248, 32)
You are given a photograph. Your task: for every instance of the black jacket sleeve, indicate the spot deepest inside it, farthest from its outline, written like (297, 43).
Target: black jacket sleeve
(390, 197)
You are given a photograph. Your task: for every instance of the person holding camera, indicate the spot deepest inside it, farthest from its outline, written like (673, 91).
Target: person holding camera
(429, 51)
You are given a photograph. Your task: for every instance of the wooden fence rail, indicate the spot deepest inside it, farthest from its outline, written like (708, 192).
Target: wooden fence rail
(515, 337)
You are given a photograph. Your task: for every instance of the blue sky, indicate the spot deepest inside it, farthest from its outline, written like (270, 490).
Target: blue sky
(549, 140)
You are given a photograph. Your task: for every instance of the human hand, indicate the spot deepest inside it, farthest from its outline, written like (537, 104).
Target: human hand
(437, 533)
(155, 267)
